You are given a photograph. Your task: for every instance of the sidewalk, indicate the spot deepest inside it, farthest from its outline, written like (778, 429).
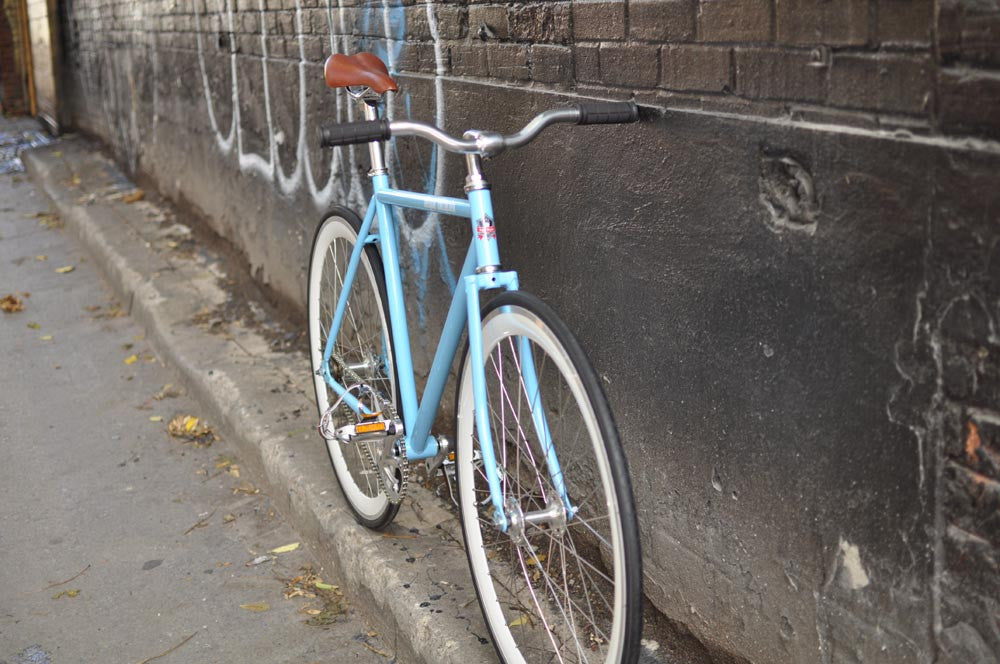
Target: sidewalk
(411, 582)
(121, 542)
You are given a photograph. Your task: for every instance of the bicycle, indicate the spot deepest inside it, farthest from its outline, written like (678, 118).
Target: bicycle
(543, 488)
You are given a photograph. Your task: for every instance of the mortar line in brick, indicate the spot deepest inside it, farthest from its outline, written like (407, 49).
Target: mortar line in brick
(961, 143)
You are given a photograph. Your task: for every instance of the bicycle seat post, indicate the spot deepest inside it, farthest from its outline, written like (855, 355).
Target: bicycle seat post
(370, 101)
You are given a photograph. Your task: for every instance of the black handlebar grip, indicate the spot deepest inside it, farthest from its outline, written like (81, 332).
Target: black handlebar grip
(351, 133)
(608, 112)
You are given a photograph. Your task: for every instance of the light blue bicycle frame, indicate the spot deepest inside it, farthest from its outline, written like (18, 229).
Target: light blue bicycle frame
(476, 275)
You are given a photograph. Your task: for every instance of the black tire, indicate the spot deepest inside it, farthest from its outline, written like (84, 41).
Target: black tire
(381, 518)
(631, 633)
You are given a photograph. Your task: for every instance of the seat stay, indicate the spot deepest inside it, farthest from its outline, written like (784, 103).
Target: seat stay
(338, 317)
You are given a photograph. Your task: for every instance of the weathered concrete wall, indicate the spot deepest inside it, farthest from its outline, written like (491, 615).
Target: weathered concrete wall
(790, 280)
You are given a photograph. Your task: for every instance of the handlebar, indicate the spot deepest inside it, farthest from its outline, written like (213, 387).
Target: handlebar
(485, 143)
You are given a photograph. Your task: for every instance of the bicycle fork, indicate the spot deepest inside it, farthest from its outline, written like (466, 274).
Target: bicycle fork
(507, 513)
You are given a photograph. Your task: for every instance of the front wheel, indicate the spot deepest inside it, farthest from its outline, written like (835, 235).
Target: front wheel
(563, 583)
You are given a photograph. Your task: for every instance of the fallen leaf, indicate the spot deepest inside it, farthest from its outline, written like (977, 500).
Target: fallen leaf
(223, 462)
(41, 257)
(523, 620)
(372, 634)
(156, 418)
(540, 558)
(11, 303)
(65, 269)
(259, 560)
(132, 359)
(168, 391)
(193, 429)
(229, 518)
(201, 471)
(34, 326)
(288, 548)
(312, 612)
(172, 244)
(247, 488)
(66, 593)
(134, 196)
(75, 181)
(324, 586)
(234, 470)
(47, 337)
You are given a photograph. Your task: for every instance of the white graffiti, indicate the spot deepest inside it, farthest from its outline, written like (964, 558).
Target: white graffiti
(344, 184)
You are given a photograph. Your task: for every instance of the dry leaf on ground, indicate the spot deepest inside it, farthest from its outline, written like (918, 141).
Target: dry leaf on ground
(193, 429)
(168, 391)
(256, 607)
(156, 418)
(286, 549)
(134, 197)
(11, 303)
(66, 593)
(65, 269)
(132, 359)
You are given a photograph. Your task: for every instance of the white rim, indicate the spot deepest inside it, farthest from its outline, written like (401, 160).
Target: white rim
(333, 229)
(502, 323)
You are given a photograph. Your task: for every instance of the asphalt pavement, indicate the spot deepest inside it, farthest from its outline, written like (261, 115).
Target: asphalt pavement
(121, 542)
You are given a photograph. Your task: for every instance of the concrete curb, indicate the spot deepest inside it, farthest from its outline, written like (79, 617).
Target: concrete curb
(411, 582)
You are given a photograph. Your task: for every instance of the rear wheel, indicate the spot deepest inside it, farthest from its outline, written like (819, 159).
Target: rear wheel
(363, 344)
(557, 586)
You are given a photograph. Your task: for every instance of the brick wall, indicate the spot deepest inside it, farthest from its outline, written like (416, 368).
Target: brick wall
(789, 278)
(13, 80)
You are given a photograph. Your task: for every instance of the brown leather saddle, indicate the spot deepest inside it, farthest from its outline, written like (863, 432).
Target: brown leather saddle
(362, 69)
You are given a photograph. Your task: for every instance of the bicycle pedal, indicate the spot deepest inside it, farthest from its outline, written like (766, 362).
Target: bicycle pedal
(370, 428)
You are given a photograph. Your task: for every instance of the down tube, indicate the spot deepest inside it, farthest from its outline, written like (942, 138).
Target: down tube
(418, 445)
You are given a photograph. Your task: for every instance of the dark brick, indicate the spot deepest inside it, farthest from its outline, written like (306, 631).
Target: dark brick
(968, 102)
(417, 26)
(508, 61)
(552, 64)
(548, 22)
(981, 40)
(630, 65)
(417, 56)
(469, 59)
(492, 17)
(661, 20)
(834, 23)
(598, 20)
(452, 21)
(880, 83)
(778, 74)
(735, 20)
(905, 22)
(695, 67)
(587, 63)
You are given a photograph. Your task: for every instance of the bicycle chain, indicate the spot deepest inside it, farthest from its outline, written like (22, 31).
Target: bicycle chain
(401, 463)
